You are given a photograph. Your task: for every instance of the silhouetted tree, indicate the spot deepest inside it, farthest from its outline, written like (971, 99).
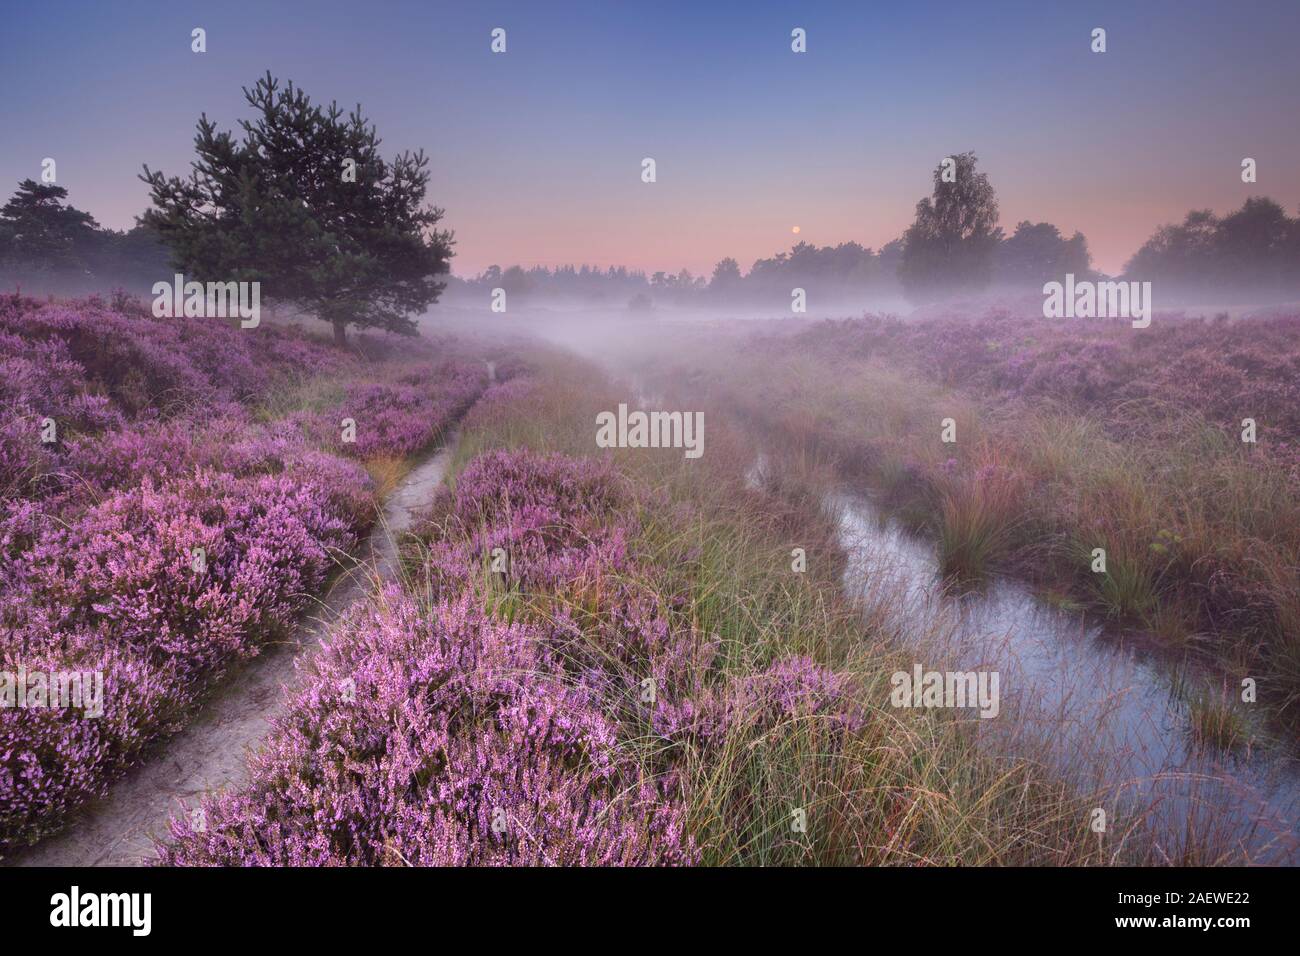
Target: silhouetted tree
(831, 270)
(39, 232)
(1178, 251)
(279, 207)
(1254, 251)
(516, 281)
(1252, 244)
(46, 241)
(1037, 252)
(949, 248)
(726, 275)
(890, 258)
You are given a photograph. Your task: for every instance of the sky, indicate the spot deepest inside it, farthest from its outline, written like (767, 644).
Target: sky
(536, 153)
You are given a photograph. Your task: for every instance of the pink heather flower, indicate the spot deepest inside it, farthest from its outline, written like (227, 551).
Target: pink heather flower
(158, 455)
(470, 738)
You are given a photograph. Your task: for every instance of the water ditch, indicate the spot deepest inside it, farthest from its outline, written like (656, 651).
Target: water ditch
(1101, 705)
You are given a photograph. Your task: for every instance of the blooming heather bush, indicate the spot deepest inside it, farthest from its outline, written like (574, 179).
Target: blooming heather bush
(115, 591)
(144, 364)
(395, 419)
(421, 730)
(401, 419)
(1223, 371)
(160, 453)
(424, 725)
(42, 375)
(268, 541)
(550, 515)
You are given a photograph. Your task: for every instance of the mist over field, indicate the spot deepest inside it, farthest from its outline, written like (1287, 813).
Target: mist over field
(668, 438)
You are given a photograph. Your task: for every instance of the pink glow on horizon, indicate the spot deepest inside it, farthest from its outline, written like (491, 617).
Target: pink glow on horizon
(1114, 229)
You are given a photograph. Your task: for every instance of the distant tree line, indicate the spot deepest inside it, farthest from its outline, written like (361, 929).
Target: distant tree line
(577, 282)
(1033, 254)
(1255, 250)
(954, 246)
(48, 245)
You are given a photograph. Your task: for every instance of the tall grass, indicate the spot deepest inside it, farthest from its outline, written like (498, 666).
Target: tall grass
(1201, 536)
(909, 787)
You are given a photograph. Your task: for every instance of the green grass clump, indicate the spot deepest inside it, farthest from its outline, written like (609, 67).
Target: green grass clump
(908, 787)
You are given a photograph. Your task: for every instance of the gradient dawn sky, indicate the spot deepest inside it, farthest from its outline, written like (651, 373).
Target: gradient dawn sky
(536, 153)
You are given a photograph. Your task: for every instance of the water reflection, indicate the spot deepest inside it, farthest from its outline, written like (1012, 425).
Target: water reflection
(1096, 704)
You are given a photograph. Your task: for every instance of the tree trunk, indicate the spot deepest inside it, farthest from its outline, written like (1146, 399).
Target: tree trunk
(340, 333)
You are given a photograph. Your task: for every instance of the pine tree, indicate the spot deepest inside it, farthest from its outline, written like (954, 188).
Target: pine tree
(38, 230)
(306, 206)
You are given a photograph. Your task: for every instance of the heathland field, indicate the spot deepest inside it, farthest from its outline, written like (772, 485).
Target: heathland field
(1022, 445)
(175, 496)
(632, 655)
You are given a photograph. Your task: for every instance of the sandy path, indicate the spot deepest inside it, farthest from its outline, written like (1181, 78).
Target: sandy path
(211, 752)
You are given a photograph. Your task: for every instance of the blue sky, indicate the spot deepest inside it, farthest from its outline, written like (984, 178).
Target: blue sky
(536, 153)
